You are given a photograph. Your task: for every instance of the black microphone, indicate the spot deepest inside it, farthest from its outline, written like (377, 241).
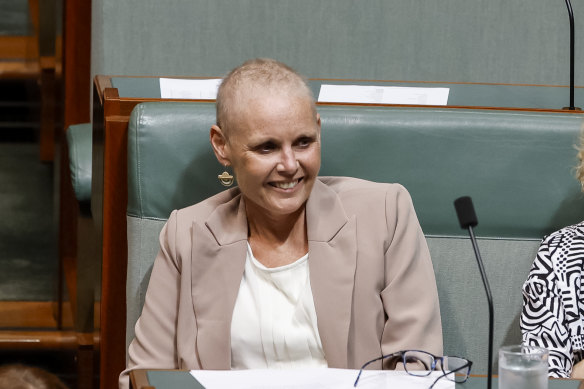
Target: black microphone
(468, 219)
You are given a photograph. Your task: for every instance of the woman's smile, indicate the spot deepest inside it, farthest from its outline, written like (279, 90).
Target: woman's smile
(286, 185)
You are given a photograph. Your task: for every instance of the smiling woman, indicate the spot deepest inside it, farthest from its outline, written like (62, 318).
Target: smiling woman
(274, 148)
(288, 269)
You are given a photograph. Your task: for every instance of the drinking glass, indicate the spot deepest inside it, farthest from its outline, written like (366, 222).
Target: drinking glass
(523, 367)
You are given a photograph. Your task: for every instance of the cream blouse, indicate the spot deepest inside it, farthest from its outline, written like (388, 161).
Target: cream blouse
(274, 320)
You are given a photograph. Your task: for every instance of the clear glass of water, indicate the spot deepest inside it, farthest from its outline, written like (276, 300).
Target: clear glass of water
(523, 367)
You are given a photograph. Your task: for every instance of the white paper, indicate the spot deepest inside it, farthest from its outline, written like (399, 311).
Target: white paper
(369, 94)
(175, 88)
(316, 378)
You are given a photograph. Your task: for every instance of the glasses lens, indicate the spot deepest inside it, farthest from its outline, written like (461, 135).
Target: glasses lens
(456, 369)
(418, 363)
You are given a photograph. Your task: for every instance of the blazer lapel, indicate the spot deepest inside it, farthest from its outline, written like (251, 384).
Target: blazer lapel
(219, 250)
(332, 264)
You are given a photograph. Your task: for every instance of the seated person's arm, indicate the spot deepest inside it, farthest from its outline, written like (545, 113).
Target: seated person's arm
(154, 345)
(543, 321)
(410, 298)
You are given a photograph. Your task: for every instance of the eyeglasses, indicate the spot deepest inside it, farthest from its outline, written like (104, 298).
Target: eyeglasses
(421, 363)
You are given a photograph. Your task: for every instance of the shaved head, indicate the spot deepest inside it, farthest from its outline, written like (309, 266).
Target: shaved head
(254, 79)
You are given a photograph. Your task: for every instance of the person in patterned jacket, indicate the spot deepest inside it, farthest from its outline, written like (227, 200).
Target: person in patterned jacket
(553, 297)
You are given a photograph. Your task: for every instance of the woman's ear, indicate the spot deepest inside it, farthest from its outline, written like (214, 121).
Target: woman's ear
(219, 144)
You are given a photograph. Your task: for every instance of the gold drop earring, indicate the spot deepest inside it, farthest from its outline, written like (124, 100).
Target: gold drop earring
(225, 178)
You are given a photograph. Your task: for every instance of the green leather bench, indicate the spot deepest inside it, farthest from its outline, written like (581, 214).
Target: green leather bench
(79, 145)
(86, 265)
(517, 166)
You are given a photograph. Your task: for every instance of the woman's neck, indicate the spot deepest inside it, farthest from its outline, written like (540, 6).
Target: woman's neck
(277, 241)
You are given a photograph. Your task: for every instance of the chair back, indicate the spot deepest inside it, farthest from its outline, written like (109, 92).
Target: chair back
(517, 166)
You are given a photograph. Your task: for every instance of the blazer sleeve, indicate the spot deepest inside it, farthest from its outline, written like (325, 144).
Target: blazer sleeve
(410, 297)
(154, 345)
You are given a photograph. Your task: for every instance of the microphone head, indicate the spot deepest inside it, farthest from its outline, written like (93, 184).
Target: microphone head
(465, 211)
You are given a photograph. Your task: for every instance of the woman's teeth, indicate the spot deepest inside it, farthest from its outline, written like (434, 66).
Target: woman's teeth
(286, 185)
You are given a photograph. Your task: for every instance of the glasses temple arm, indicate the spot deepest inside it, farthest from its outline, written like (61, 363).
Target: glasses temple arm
(444, 374)
(370, 362)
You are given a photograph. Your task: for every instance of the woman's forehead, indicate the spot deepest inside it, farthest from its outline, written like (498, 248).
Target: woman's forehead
(260, 107)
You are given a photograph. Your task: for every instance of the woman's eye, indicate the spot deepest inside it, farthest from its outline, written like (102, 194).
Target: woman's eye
(303, 142)
(266, 147)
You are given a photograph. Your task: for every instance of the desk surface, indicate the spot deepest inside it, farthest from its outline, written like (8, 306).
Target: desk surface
(171, 379)
(506, 96)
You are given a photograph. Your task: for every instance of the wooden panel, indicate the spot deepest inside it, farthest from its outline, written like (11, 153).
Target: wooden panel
(76, 61)
(76, 95)
(114, 251)
(108, 204)
(139, 380)
(76, 109)
(19, 47)
(31, 314)
(48, 110)
(34, 340)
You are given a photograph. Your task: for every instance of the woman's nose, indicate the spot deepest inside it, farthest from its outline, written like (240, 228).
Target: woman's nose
(288, 162)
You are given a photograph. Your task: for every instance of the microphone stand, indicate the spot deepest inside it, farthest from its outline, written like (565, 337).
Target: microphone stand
(489, 300)
(467, 219)
(572, 57)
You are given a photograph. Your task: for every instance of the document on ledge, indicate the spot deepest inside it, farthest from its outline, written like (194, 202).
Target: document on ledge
(317, 378)
(370, 94)
(175, 88)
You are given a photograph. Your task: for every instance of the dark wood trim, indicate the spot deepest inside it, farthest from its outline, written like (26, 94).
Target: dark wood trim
(436, 82)
(108, 205)
(32, 314)
(451, 107)
(35, 340)
(76, 61)
(139, 380)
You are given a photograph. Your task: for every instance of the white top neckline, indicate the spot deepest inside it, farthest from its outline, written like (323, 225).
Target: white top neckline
(274, 322)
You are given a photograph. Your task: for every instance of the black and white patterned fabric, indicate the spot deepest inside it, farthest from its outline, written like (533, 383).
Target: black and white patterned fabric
(553, 309)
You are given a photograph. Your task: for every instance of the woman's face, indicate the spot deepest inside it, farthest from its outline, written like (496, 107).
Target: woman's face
(274, 148)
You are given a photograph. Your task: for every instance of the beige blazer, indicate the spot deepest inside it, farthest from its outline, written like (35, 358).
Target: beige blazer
(370, 271)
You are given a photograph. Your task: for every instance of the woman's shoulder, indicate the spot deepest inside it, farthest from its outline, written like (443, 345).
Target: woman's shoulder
(203, 209)
(365, 197)
(565, 235)
(343, 185)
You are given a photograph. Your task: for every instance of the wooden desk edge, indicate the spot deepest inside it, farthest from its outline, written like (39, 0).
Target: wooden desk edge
(139, 379)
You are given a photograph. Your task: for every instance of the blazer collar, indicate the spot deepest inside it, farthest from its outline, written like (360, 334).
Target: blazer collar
(325, 216)
(220, 247)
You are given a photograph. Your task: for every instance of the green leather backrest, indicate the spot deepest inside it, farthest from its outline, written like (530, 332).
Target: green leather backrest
(516, 166)
(79, 141)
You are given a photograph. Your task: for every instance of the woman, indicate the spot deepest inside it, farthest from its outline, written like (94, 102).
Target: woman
(553, 306)
(288, 269)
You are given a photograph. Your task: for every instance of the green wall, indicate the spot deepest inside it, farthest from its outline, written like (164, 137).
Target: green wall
(508, 41)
